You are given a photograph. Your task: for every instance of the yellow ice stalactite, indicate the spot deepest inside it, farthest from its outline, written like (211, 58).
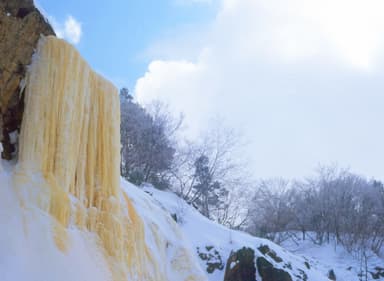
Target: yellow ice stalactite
(70, 136)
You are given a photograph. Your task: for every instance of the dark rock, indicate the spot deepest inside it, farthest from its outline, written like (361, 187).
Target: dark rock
(270, 273)
(265, 250)
(174, 216)
(331, 275)
(21, 25)
(307, 265)
(212, 258)
(241, 266)
(378, 273)
(288, 265)
(302, 275)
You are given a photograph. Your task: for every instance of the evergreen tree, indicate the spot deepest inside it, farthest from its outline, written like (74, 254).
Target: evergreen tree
(208, 192)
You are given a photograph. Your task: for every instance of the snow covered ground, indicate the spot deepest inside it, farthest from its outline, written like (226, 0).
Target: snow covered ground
(27, 247)
(204, 233)
(346, 266)
(208, 237)
(28, 250)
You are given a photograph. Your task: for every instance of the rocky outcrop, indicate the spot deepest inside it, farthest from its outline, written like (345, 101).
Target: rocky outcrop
(269, 273)
(21, 25)
(331, 275)
(241, 266)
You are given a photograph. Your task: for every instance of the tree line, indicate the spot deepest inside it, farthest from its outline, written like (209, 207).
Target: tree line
(204, 172)
(335, 204)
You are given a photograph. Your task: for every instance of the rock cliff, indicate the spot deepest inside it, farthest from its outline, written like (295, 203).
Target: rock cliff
(21, 25)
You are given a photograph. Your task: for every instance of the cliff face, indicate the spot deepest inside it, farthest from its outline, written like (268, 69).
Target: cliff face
(21, 25)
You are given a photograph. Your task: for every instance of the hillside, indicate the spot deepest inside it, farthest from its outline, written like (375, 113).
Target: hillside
(346, 266)
(29, 250)
(304, 260)
(207, 245)
(217, 242)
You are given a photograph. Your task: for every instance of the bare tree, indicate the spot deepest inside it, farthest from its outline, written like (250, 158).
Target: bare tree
(207, 172)
(271, 210)
(335, 204)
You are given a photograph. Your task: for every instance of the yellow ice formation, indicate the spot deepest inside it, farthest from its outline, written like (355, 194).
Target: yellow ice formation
(70, 137)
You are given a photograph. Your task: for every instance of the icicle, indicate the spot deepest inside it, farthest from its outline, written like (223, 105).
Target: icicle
(70, 136)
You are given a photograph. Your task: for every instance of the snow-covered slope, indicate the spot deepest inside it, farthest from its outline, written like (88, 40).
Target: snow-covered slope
(217, 241)
(27, 247)
(330, 256)
(299, 258)
(29, 251)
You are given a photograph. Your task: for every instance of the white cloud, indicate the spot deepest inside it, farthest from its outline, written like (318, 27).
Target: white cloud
(69, 30)
(351, 31)
(183, 94)
(301, 77)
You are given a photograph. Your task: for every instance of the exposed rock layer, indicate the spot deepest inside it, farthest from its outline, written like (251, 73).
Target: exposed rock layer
(21, 25)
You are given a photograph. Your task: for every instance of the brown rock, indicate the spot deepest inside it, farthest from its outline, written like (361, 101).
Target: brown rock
(21, 25)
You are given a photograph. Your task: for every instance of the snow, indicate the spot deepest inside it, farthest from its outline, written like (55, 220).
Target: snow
(330, 256)
(161, 229)
(28, 250)
(202, 232)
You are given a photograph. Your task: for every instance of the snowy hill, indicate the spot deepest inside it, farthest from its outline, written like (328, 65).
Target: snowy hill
(303, 260)
(216, 242)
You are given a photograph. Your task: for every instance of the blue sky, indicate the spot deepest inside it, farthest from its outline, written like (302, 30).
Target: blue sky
(301, 79)
(116, 34)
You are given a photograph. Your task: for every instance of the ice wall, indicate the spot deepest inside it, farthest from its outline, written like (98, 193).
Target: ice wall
(68, 165)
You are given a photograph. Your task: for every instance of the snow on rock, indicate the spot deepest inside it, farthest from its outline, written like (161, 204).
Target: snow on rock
(207, 237)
